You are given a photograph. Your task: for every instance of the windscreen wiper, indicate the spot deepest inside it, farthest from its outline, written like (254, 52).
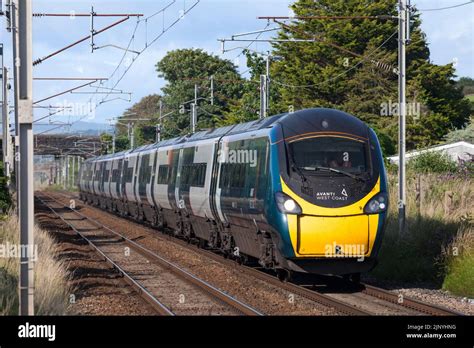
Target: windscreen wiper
(343, 172)
(298, 170)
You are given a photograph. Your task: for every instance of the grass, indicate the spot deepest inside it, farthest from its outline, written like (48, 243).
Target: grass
(51, 288)
(470, 97)
(438, 224)
(459, 262)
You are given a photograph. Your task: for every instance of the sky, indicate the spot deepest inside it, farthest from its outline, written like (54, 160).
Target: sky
(450, 34)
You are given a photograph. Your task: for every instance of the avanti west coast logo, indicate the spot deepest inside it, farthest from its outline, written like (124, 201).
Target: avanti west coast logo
(37, 331)
(331, 195)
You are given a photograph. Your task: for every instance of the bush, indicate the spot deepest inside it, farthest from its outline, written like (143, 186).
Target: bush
(432, 162)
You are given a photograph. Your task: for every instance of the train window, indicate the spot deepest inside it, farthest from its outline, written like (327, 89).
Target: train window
(115, 175)
(193, 175)
(97, 172)
(106, 176)
(232, 175)
(246, 173)
(201, 175)
(330, 152)
(163, 175)
(128, 174)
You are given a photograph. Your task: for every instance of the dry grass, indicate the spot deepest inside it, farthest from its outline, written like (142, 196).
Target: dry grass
(440, 219)
(51, 288)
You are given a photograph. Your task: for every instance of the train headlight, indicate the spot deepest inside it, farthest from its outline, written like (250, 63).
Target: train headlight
(286, 204)
(377, 204)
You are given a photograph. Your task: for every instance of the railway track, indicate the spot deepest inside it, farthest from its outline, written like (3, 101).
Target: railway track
(366, 300)
(168, 288)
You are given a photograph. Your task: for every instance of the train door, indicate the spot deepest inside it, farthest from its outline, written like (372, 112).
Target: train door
(127, 178)
(118, 182)
(164, 160)
(133, 193)
(201, 181)
(144, 175)
(183, 179)
(151, 180)
(242, 185)
(173, 178)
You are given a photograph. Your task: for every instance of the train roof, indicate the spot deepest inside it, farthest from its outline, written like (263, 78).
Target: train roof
(294, 123)
(198, 136)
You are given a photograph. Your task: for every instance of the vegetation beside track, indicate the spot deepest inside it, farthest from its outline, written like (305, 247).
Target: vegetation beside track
(438, 245)
(51, 286)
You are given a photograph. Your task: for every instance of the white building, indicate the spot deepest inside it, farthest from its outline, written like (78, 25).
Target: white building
(460, 150)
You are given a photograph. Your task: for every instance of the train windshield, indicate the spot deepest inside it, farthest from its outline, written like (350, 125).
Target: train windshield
(330, 155)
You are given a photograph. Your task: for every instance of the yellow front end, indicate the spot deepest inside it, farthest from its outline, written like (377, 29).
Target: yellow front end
(332, 232)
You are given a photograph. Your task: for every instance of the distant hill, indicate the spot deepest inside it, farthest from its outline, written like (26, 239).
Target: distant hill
(80, 127)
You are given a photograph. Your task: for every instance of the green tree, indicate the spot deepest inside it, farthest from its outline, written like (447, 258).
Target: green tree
(121, 143)
(350, 67)
(467, 85)
(185, 68)
(146, 109)
(464, 134)
(106, 143)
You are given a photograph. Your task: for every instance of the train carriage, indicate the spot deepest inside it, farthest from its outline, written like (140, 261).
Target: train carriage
(303, 191)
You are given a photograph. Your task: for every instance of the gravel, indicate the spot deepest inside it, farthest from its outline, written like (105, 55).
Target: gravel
(427, 293)
(98, 288)
(268, 299)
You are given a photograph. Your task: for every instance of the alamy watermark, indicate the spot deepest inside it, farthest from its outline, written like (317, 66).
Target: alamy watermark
(9, 250)
(346, 250)
(393, 109)
(226, 155)
(66, 108)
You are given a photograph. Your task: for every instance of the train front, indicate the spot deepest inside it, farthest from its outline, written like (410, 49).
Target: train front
(330, 197)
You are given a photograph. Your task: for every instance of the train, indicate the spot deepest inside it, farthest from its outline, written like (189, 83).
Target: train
(298, 192)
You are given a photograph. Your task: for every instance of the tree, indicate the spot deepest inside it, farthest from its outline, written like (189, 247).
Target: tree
(466, 84)
(121, 143)
(350, 67)
(146, 108)
(185, 68)
(106, 143)
(463, 134)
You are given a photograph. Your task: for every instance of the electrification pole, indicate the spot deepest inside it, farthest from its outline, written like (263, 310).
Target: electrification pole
(263, 96)
(194, 110)
(25, 120)
(267, 87)
(212, 90)
(13, 28)
(68, 172)
(73, 169)
(158, 126)
(132, 136)
(5, 124)
(403, 25)
(193, 117)
(158, 133)
(113, 142)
